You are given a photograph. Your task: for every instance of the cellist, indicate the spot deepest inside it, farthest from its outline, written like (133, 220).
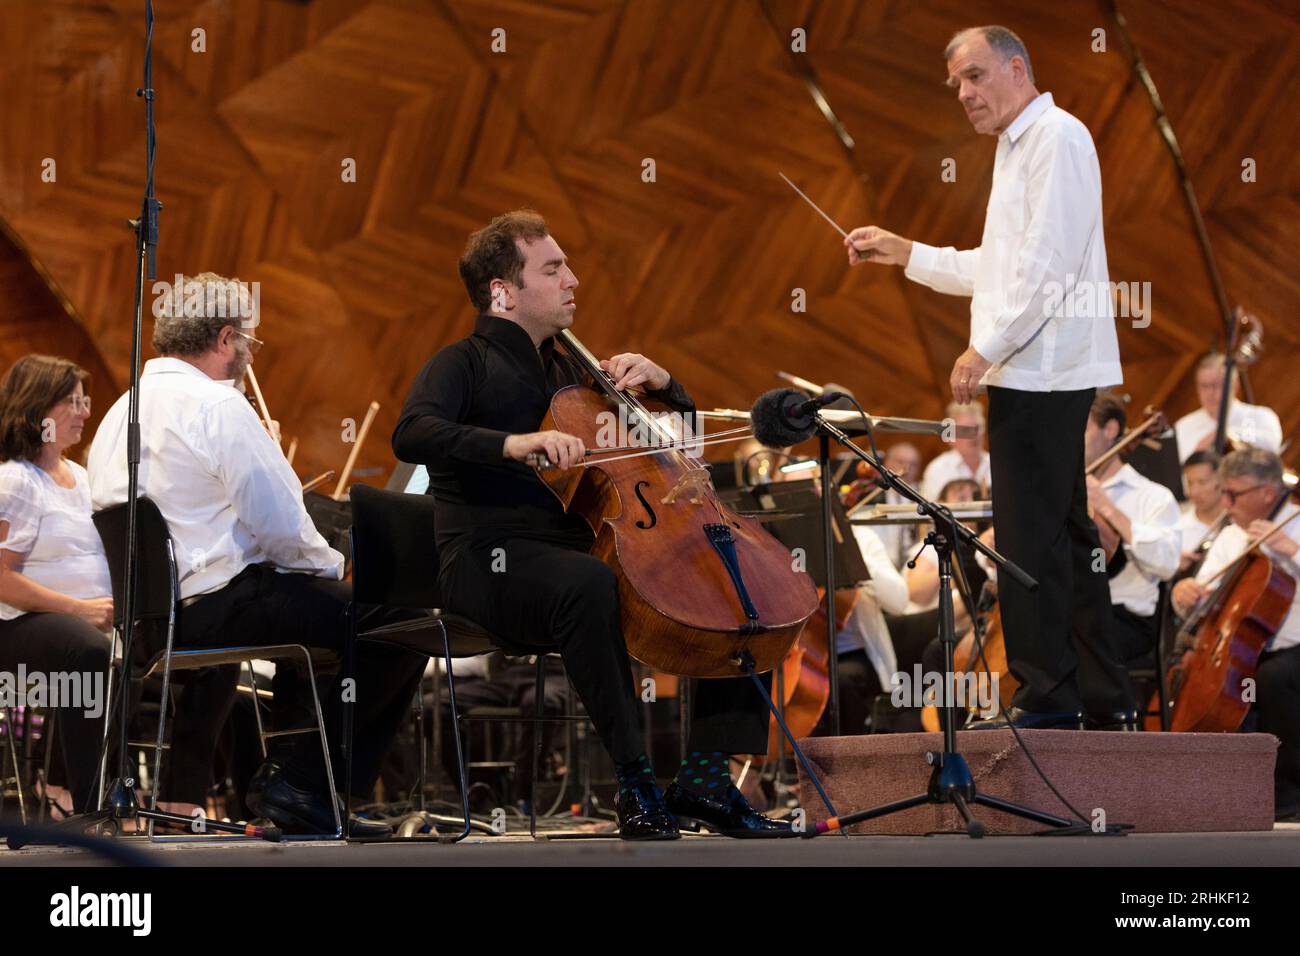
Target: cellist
(1256, 498)
(514, 562)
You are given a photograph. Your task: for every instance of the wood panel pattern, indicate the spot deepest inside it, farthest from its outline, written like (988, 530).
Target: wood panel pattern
(695, 269)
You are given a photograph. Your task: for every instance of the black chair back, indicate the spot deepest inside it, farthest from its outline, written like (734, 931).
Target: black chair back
(394, 549)
(156, 588)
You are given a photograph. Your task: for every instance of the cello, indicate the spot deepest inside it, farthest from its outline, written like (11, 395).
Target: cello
(1232, 625)
(703, 591)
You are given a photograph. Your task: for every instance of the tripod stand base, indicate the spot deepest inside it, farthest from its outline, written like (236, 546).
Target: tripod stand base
(120, 804)
(950, 783)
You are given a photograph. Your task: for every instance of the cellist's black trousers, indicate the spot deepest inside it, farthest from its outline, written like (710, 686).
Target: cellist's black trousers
(1059, 641)
(553, 597)
(1278, 713)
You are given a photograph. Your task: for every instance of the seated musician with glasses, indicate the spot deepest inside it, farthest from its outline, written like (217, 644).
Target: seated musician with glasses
(253, 568)
(55, 604)
(514, 562)
(1256, 498)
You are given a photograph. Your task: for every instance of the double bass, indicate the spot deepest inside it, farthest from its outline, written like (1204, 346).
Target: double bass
(703, 591)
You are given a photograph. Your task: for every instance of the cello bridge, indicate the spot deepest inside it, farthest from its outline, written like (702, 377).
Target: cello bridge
(695, 482)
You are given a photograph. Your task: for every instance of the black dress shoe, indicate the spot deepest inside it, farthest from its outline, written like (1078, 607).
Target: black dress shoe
(1030, 720)
(643, 816)
(1125, 720)
(257, 783)
(301, 811)
(729, 813)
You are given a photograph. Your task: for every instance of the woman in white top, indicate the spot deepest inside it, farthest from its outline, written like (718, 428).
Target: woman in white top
(54, 587)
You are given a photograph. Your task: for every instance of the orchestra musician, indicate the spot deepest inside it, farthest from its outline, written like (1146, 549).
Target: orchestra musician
(517, 564)
(1254, 425)
(1137, 514)
(966, 459)
(1042, 353)
(1204, 507)
(903, 459)
(866, 652)
(55, 603)
(252, 566)
(1256, 497)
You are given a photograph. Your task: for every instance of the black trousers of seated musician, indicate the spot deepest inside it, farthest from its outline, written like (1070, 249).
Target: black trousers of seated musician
(553, 595)
(260, 607)
(62, 644)
(1277, 712)
(1059, 641)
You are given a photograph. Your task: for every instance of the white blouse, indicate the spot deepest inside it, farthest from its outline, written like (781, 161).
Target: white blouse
(50, 525)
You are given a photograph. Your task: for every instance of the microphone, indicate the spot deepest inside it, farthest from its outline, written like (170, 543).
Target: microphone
(784, 416)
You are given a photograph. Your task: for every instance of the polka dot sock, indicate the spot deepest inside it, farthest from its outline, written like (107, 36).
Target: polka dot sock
(634, 773)
(705, 772)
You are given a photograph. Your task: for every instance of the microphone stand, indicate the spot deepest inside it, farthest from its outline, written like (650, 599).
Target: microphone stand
(950, 779)
(120, 802)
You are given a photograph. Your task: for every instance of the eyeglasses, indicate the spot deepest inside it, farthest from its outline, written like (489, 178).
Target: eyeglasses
(255, 344)
(79, 403)
(1232, 496)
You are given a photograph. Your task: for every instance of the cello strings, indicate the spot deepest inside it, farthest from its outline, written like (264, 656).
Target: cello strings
(683, 442)
(661, 450)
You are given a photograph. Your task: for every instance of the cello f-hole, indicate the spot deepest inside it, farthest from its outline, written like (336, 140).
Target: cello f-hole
(654, 518)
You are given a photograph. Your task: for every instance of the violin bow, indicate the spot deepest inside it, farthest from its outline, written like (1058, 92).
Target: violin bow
(318, 480)
(261, 403)
(1252, 546)
(356, 449)
(1154, 422)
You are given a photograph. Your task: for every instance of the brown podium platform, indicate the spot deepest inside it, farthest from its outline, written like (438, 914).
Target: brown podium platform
(1160, 783)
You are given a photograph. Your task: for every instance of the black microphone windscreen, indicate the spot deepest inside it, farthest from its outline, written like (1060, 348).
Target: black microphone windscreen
(771, 426)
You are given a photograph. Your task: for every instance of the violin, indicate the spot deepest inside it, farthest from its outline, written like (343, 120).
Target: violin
(703, 591)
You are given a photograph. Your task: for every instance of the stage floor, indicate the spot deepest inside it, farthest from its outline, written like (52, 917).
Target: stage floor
(1279, 847)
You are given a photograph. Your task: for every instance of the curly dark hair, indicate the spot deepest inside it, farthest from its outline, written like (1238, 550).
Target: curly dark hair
(29, 389)
(491, 253)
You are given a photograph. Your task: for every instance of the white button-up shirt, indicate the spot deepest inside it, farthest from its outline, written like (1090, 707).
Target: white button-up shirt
(1156, 547)
(224, 486)
(951, 466)
(1229, 545)
(1191, 528)
(886, 591)
(1041, 309)
(1250, 424)
(50, 526)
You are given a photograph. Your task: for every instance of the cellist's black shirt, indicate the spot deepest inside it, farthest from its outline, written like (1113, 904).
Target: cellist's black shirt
(463, 404)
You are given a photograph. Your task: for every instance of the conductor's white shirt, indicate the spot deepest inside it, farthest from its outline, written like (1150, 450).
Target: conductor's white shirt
(229, 496)
(1041, 309)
